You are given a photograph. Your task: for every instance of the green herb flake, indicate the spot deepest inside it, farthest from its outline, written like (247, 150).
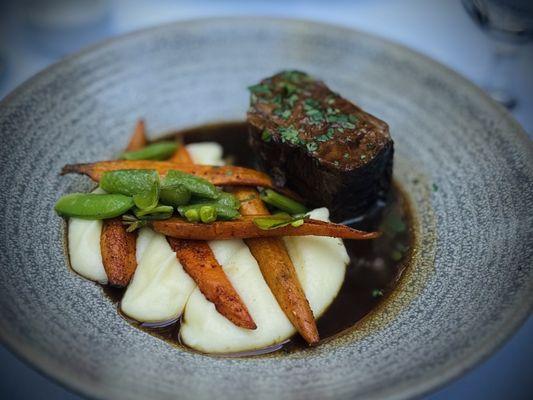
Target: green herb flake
(266, 136)
(352, 118)
(336, 162)
(311, 147)
(327, 136)
(287, 88)
(435, 187)
(289, 134)
(291, 100)
(362, 157)
(260, 88)
(377, 293)
(346, 156)
(285, 114)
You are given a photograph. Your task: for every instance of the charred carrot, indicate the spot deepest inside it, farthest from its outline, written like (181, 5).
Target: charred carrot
(278, 271)
(118, 247)
(200, 263)
(220, 176)
(118, 252)
(181, 155)
(245, 228)
(138, 139)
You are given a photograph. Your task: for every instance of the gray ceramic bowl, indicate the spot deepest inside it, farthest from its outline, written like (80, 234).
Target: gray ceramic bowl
(468, 290)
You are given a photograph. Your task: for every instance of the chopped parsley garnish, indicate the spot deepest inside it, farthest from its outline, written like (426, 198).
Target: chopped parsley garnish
(312, 110)
(346, 156)
(288, 88)
(283, 113)
(311, 146)
(341, 119)
(289, 134)
(336, 162)
(362, 157)
(377, 293)
(260, 88)
(325, 137)
(310, 104)
(291, 100)
(266, 136)
(435, 187)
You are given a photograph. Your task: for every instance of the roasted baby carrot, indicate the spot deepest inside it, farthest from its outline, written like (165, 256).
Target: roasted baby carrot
(118, 252)
(245, 228)
(220, 176)
(118, 247)
(200, 263)
(181, 155)
(278, 271)
(138, 139)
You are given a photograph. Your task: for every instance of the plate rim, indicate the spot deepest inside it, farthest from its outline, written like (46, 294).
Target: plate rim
(426, 384)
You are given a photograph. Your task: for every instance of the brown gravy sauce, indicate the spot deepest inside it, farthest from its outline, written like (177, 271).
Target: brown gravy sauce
(375, 265)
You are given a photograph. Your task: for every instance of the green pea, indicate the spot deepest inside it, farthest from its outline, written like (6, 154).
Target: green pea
(197, 186)
(93, 206)
(157, 151)
(129, 181)
(223, 212)
(192, 215)
(208, 214)
(174, 195)
(148, 200)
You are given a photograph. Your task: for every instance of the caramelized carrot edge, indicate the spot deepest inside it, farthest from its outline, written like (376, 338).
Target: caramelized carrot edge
(118, 247)
(200, 263)
(279, 272)
(245, 228)
(220, 176)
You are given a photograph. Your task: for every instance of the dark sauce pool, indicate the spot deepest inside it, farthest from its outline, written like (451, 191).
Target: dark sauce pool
(375, 265)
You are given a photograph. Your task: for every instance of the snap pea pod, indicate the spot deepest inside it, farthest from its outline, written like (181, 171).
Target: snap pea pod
(174, 195)
(223, 212)
(282, 202)
(225, 199)
(197, 186)
(157, 151)
(279, 220)
(93, 206)
(129, 181)
(149, 199)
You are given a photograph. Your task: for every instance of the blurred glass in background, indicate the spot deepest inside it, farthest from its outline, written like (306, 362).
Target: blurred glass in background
(510, 24)
(60, 27)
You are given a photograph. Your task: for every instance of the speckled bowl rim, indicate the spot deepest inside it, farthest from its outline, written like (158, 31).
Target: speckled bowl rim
(426, 384)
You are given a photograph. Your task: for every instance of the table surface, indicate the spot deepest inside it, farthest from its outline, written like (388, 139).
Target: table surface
(439, 29)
